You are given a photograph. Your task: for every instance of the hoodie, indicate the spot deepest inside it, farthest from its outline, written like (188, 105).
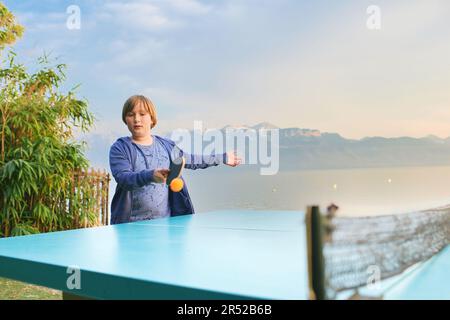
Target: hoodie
(122, 159)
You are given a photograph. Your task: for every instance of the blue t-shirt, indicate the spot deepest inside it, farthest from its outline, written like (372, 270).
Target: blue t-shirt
(151, 201)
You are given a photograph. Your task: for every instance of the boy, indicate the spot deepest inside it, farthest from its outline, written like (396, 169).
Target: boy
(140, 165)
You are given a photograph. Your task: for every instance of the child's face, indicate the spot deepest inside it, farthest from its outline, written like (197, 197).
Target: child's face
(139, 121)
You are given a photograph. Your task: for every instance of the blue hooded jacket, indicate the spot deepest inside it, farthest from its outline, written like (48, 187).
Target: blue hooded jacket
(122, 161)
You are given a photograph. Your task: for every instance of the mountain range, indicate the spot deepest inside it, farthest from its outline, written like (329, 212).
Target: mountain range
(302, 148)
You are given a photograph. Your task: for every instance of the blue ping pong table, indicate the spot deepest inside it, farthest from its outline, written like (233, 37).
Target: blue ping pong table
(214, 255)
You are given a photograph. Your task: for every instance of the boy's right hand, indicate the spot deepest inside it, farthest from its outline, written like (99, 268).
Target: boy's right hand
(160, 175)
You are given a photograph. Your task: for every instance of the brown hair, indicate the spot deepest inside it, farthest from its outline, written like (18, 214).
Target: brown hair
(146, 102)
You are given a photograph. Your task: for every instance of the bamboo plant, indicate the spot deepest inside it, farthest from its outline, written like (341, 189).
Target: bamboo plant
(41, 189)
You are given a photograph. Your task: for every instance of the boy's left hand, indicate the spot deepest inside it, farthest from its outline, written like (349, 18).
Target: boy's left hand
(232, 159)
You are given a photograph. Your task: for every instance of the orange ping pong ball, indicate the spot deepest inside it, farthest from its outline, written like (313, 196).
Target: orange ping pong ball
(176, 185)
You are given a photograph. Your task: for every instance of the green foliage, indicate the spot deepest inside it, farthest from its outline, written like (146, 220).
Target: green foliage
(40, 163)
(10, 31)
(23, 229)
(42, 187)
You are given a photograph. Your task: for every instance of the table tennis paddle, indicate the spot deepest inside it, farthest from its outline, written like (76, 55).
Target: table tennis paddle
(175, 169)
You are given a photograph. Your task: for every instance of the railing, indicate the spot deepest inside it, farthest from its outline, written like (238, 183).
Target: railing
(91, 189)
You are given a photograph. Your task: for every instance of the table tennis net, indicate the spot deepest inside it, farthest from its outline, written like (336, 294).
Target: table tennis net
(355, 247)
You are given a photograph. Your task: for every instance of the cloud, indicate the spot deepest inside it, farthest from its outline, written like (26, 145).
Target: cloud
(139, 52)
(25, 17)
(45, 22)
(138, 15)
(289, 62)
(350, 79)
(190, 7)
(335, 76)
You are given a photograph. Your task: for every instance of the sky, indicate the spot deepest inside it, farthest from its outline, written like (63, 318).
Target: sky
(307, 64)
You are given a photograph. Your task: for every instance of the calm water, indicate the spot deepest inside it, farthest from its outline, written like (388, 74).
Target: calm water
(356, 191)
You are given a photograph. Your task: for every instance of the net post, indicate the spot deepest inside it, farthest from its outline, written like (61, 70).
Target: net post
(316, 263)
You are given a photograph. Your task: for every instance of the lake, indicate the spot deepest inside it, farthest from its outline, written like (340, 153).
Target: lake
(357, 192)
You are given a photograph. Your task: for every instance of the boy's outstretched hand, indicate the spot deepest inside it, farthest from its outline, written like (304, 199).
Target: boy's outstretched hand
(232, 159)
(160, 175)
